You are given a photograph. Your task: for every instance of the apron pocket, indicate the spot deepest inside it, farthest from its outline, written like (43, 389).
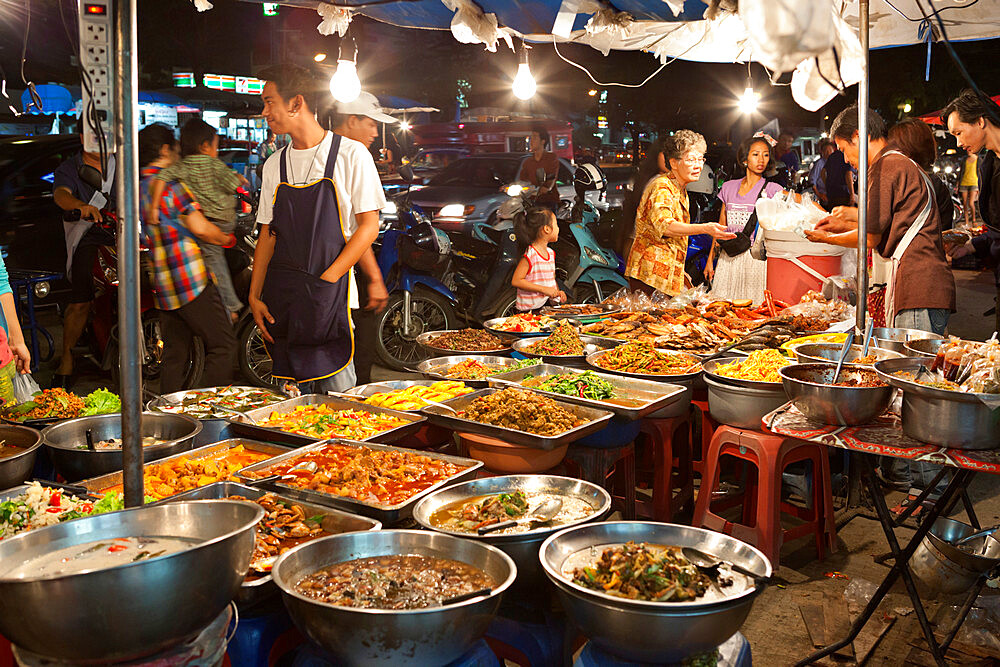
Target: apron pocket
(317, 313)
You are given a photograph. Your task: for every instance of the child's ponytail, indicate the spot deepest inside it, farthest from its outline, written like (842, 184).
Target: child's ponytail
(528, 224)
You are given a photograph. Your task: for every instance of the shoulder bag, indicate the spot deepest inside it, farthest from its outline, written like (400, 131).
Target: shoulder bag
(744, 237)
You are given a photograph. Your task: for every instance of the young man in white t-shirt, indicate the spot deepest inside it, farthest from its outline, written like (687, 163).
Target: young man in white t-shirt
(290, 100)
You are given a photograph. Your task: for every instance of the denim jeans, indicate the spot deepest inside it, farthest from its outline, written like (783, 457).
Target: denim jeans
(923, 319)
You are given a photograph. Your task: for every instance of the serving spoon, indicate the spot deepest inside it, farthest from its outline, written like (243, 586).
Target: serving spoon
(710, 563)
(542, 514)
(869, 330)
(848, 342)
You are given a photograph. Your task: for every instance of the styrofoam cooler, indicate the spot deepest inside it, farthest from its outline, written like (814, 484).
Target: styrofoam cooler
(796, 266)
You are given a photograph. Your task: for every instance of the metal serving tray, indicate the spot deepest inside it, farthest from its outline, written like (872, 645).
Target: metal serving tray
(434, 368)
(426, 339)
(372, 388)
(99, 484)
(491, 326)
(655, 395)
(521, 347)
(293, 439)
(387, 514)
(334, 521)
(597, 419)
(686, 379)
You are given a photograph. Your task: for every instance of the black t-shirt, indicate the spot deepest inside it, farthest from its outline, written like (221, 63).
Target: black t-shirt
(836, 176)
(67, 175)
(945, 206)
(989, 188)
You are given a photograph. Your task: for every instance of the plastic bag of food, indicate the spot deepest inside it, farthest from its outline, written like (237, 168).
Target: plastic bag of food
(25, 387)
(692, 297)
(782, 213)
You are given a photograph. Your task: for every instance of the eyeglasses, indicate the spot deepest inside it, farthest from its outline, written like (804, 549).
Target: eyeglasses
(694, 160)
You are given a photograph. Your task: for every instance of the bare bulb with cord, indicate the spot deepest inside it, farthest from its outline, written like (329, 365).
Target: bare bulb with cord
(748, 103)
(345, 86)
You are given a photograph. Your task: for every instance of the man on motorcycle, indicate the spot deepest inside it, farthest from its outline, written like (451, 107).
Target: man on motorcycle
(70, 192)
(319, 204)
(358, 120)
(542, 159)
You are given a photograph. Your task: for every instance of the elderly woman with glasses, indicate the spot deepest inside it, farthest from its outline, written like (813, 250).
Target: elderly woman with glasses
(662, 219)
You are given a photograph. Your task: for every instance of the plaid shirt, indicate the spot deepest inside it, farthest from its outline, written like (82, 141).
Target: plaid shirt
(179, 272)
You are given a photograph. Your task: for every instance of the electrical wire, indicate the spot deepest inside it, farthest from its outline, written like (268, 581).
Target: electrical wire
(36, 101)
(935, 13)
(626, 85)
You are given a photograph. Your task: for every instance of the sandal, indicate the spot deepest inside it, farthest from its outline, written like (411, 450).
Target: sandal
(905, 504)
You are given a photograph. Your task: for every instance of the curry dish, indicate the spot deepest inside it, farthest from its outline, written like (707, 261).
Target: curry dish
(522, 411)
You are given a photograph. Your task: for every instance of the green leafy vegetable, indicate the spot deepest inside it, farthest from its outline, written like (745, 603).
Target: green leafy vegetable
(101, 402)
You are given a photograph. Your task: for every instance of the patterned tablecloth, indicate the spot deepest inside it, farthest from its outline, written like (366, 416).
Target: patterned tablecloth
(884, 437)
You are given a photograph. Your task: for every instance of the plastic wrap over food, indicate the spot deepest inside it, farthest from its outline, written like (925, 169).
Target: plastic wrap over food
(971, 367)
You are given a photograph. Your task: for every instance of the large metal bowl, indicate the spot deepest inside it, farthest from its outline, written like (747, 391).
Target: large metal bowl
(939, 416)
(652, 632)
(433, 369)
(896, 339)
(742, 407)
(924, 347)
(356, 636)
(120, 613)
(17, 468)
(807, 385)
(941, 569)
(214, 428)
(521, 347)
(818, 353)
(522, 547)
(63, 442)
(710, 368)
(426, 340)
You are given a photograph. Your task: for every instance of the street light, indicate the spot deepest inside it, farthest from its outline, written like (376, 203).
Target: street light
(345, 84)
(404, 126)
(319, 57)
(524, 84)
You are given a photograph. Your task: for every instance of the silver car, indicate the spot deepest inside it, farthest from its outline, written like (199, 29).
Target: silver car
(469, 191)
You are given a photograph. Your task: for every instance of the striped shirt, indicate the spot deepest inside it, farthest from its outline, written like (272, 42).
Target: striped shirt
(541, 271)
(179, 272)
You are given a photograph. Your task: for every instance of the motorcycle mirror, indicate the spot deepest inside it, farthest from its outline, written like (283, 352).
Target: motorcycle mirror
(91, 176)
(406, 173)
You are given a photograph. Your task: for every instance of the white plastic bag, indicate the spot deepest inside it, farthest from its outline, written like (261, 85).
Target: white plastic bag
(25, 388)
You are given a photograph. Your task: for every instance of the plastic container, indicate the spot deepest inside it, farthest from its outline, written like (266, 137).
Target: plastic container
(786, 280)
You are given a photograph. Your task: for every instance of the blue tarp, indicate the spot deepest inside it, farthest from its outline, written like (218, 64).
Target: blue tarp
(55, 99)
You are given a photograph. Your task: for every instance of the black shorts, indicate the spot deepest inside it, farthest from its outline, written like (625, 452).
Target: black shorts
(81, 281)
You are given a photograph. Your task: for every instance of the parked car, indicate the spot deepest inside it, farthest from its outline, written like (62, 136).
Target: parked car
(31, 227)
(470, 190)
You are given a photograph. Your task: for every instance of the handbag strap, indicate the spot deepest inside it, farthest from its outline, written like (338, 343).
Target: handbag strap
(751, 225)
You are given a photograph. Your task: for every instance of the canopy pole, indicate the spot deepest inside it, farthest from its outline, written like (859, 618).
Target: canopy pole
(130, 353)
(863, 170)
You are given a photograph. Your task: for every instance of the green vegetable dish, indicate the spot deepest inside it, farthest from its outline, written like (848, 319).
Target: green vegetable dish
(585, 385)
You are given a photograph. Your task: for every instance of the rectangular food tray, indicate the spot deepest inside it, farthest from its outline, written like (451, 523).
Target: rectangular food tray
(387, 514)
(597, 419)
(334, 521)
(242, 427)
(665, 394)
(99, 484)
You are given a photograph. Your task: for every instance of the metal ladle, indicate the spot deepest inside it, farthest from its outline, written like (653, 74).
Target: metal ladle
(704, 561)
(542, 514)
(869, 330)
(848, 342)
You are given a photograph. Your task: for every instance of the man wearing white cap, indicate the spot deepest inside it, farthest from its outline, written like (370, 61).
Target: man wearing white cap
(358, 120)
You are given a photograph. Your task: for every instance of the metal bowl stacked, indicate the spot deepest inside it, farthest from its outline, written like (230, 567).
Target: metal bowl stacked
(818, 353)
(808, 386)
(120, 613)
(361, 636)
(941, 416)
(17, 468)
(67, 442)
(740, 403)
(652, 632)
(924, 347)
(896, 339)
(522, 547)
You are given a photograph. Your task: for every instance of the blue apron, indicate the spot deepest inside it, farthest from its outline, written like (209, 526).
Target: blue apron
(312, 328)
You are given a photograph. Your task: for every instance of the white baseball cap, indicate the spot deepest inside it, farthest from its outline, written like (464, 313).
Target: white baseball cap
(365, 104)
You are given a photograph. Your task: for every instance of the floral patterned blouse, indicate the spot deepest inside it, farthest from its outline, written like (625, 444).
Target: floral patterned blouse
(654, 259)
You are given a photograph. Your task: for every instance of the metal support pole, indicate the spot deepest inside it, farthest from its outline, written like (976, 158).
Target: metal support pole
(127, 178)
(863, 170)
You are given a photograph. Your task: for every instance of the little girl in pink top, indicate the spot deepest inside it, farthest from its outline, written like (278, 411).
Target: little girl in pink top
(535, 275)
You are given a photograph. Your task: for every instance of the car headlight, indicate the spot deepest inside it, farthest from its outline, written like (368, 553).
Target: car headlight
(389, 208)
(948, 169)
(455, 211)
(515, 190)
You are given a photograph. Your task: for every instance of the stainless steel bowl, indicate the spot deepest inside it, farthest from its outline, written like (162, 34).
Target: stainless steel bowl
(711, 374)
(17, 468)
(120, 613)
(433, 369)
(807, 385)
(213, 429)
(652, 632)
(64, 440)
(939, 416)
(356, 636)
(924, 347)
(742, 407)
(522, 547)
(521, 347)
(426, 339)
(896, 339)
(942, 569)
(818, 353)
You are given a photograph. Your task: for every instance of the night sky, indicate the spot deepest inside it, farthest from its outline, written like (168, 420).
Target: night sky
(235, 38)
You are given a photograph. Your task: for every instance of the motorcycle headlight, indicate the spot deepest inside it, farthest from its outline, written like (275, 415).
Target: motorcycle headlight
(514, 190)
(936, 169)
(594, 256)
(948, 169)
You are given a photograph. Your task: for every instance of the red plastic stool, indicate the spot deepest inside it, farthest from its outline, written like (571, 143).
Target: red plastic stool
(670, 442)
(707, 428)
(762, 504)
(596, 465)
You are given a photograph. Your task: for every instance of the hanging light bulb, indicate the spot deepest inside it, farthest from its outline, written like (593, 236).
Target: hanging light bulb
(524, 84)
(748, 103)
(345, 84)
